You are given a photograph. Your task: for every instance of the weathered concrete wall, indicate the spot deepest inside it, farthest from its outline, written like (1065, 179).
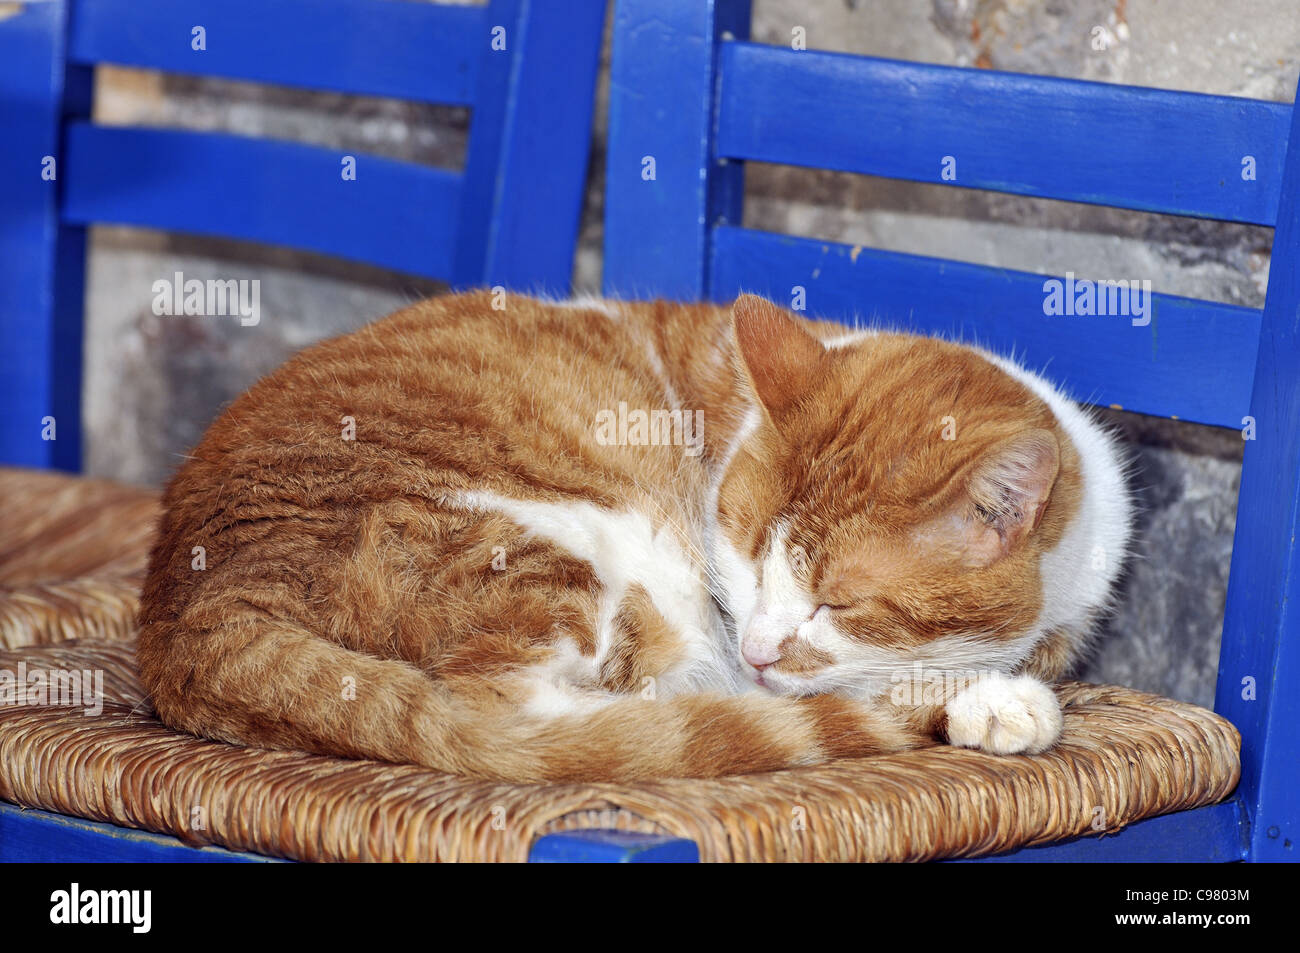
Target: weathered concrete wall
(153, 383)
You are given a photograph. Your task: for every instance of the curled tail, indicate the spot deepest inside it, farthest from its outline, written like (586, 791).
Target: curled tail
(267, 682)
(691, 736)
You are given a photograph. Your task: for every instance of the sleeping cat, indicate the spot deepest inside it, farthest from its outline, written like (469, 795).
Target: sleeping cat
(609, 541)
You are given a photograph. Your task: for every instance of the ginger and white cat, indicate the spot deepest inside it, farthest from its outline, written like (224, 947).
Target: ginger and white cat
(426, 542)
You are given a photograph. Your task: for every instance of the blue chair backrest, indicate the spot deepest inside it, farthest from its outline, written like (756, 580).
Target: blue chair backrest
(691, 101)
(509, 218)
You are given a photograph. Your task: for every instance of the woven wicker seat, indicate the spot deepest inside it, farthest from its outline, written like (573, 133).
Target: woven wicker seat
(1125, 755)
(72, 556)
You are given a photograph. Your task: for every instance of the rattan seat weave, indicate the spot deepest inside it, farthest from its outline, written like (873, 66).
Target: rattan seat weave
(72, 556)
(1125, 755)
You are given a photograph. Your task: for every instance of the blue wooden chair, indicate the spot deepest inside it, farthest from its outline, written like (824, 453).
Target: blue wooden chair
(667, 235)
(691, 101)
(509, 218)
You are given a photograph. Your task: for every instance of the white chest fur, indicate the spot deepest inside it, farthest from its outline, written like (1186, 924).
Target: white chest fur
(626, 549)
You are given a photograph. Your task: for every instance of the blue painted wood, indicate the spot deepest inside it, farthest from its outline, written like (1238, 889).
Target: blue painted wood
(524, 184)
(40, 260)
(612, 847)
(416, 51)
(1100, 143)
(1193, 360)
(32, 836)
(527, 154)
(393, 214)
(1213, 834)
(661, 82)
(1259, 662)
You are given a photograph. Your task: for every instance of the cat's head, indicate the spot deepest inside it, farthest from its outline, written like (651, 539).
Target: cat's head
(890, 505)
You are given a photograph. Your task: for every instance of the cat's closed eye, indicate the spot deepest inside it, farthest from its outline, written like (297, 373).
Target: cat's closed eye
(834, 607)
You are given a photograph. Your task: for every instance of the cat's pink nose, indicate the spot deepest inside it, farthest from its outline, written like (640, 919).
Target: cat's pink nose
(759, 655)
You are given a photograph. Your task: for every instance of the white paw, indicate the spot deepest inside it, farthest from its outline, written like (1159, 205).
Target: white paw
(1005, 714)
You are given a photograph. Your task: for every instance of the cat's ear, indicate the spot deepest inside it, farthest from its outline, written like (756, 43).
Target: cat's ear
(1009, 492)
(780, 356)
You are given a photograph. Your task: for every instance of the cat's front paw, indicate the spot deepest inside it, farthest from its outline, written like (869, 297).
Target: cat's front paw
(1005, 714)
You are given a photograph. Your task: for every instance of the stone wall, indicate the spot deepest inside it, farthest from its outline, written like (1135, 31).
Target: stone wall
(153, 383)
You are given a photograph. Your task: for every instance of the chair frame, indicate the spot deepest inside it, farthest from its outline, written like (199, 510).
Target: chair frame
(490, 224)
(691, 93)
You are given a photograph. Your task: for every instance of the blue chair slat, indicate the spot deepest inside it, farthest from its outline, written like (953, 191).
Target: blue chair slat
(1259, 663)
(38, 837)
(1193, 360)
(342, 45)
(516, 177)
(510, 218)
(41, 279)
(680, 235)
(660, 110)
(286, 193)
(612, 847)
(1099, 143)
